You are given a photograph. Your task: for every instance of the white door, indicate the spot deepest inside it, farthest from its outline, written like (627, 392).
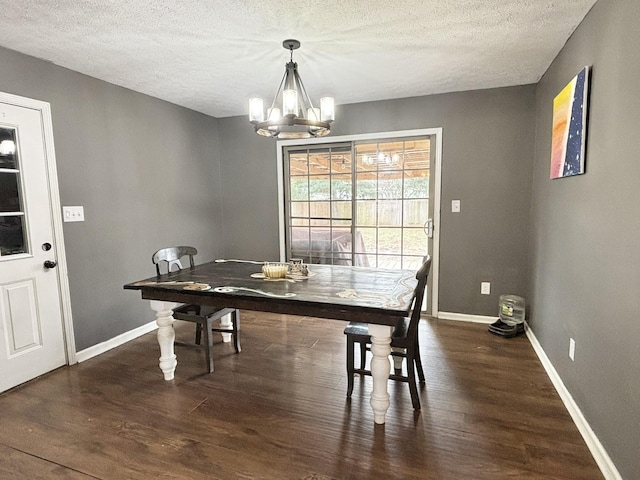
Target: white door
(32, 335)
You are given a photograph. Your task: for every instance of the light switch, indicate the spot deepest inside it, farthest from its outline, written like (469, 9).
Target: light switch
(455, 206)
(73, 214)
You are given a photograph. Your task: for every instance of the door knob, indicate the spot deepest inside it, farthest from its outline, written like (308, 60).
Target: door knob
(50, 264)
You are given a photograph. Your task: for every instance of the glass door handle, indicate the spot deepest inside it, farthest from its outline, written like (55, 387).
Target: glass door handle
(428, 228)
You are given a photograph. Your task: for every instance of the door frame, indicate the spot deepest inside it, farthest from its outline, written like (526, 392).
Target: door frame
(44, 110)
(434, 132)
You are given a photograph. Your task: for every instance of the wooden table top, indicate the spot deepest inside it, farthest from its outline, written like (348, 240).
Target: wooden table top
(339, 292)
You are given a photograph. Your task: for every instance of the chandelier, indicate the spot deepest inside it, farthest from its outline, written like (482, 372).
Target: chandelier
(298, 118)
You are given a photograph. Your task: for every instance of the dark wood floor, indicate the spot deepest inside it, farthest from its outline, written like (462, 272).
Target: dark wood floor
(278, 411)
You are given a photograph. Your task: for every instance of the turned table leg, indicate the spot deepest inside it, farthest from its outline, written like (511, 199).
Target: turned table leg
(166, 336)
(380, 369)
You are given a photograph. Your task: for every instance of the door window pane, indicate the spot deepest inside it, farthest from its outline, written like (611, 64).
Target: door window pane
(389, 155)
(298, 164)
(390, 240)
(414, 242)
(366, 158)
(367, 185)
(319, 210)
(319, 162)
(341, 211)
(9, 192)
(341, 163)
(299, 240)
(319, 187)
(299, 188)
(415, 212)
(299, 209)
(417, 155)
(367, 212)
(13, 239)
(8, 154)
(416, 184)
(390, 213)
(341, 187)
(390, 184)
(369, 240)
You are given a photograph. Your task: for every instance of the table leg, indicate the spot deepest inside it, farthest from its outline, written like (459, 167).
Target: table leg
(226, 323)
(166, 336)
(380, 369)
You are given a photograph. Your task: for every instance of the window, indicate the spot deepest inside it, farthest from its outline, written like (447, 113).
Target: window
(358, 203)
(12, 218)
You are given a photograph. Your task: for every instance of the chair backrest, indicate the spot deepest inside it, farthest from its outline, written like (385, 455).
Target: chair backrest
(172, 256)
(421, 275)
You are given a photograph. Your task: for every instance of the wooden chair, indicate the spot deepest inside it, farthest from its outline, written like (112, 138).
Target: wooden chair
(203, 316)
(404, 342)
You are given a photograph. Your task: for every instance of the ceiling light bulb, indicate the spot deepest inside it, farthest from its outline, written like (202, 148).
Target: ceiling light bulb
(327, 108)
(256, 110)
(289, 103)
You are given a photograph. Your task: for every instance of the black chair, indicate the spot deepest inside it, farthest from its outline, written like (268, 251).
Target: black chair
(404, 342)
(203, 316)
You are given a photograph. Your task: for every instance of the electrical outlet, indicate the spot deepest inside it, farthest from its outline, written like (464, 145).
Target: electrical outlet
(572, 349)
(485, 288)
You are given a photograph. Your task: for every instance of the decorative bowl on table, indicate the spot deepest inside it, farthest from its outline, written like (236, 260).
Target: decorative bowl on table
(275, 269)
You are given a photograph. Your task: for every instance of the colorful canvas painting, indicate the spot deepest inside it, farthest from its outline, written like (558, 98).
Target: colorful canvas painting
(570, 127)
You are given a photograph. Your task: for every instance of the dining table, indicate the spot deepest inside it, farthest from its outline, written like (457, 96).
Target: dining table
(378, 297)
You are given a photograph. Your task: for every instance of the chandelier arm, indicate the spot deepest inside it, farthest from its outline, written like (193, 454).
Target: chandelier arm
(303, 91)
(275, 97)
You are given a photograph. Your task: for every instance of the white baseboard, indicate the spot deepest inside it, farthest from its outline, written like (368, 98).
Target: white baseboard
(121, 339)
(464, 317)
(598, 452)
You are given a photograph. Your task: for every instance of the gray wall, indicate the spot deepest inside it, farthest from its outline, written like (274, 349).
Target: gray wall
(487, 159)
(250, 193)
(586, 230)
(147, 174)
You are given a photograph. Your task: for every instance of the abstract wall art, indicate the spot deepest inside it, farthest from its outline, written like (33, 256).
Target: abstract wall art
(568, 137)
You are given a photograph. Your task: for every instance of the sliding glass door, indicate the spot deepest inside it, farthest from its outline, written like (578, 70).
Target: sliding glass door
(319, 204)
(359, 203)
(391, 192)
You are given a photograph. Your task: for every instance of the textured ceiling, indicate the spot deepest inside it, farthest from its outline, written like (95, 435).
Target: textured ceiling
(212, 55)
